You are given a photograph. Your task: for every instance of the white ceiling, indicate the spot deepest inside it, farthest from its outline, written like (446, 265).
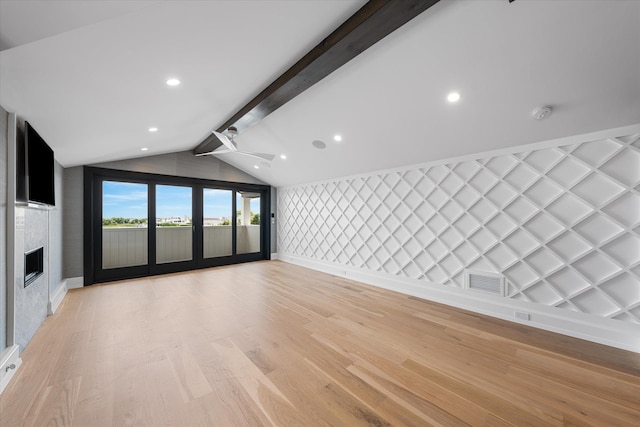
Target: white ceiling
(93, 91)
(24, 22)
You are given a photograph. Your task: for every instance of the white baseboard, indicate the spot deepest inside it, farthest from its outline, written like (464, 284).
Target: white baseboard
(56, 298)
(614, 333)
(75, 282)
(11, 356)
(58, 295)
(274, 255)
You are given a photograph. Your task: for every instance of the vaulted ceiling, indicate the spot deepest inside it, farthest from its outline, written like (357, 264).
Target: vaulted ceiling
(90, 76)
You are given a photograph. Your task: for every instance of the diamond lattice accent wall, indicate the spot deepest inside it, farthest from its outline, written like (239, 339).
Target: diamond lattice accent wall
(562, 224)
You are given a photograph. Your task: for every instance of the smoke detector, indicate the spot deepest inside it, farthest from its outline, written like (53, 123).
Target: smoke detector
(541, 112)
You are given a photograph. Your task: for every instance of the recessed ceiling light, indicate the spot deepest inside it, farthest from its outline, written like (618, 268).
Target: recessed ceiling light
(283, 156)
(144, 149)
(256, 166)
(173, 82)
(337, 138)
(153, 129)
(453, 97)
(319, 144)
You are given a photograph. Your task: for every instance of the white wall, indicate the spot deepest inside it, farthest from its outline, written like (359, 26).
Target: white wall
(3, 229)
(558, 219)
(56, 231)
(9, 350)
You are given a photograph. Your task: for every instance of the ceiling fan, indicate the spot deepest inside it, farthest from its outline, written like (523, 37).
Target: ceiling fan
(229, 145)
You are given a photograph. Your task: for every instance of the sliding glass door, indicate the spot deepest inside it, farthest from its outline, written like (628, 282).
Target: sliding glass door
(217, 228)
(143, 224)
(125, 232)
(248, 222)
(174, 226)
(124, 229)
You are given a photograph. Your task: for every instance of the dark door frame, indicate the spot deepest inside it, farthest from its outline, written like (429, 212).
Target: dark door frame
(93, 178)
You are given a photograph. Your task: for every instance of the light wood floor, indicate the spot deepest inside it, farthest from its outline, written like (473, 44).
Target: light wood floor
(270, 343)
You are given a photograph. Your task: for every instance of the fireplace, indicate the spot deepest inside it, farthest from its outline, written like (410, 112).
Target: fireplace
(33, 265)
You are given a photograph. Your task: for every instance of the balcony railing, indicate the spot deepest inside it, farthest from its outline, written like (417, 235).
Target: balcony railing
(127, 246)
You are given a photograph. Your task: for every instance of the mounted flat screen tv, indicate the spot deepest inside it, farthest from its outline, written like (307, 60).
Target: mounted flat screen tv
(39, 168)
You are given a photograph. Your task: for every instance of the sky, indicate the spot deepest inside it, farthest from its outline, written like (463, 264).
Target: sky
(129, 200)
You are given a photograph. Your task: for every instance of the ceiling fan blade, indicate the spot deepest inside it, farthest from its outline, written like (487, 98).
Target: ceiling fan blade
(261, 156)
(225, 141)
(265, 156)
(211, 153)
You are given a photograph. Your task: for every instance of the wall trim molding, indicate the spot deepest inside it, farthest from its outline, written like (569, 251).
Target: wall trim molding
(10, 356)
(600, 330)
(56, 297)
(274, 255)
(74, 282)
(12, 124)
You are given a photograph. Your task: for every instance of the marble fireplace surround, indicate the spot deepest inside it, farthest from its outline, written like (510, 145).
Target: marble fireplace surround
(32, 231)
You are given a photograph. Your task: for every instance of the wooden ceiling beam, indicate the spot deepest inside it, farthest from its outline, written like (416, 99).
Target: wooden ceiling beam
(370, 24)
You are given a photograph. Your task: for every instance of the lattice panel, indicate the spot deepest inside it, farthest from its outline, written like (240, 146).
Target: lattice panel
(562, 224)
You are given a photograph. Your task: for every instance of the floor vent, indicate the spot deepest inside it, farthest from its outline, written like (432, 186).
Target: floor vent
(490, 283)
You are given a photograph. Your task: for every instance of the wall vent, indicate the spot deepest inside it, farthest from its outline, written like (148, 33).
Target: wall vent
(482, 281)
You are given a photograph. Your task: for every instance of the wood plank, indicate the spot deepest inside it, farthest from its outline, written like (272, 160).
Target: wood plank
(273, 344)
(370, 24)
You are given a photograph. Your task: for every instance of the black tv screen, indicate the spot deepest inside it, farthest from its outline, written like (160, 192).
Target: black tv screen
(40, 168)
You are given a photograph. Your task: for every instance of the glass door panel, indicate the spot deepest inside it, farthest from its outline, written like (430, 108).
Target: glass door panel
(248, 222)
(140, 224)
(125, 230)
(217, 223)
(174, 229)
